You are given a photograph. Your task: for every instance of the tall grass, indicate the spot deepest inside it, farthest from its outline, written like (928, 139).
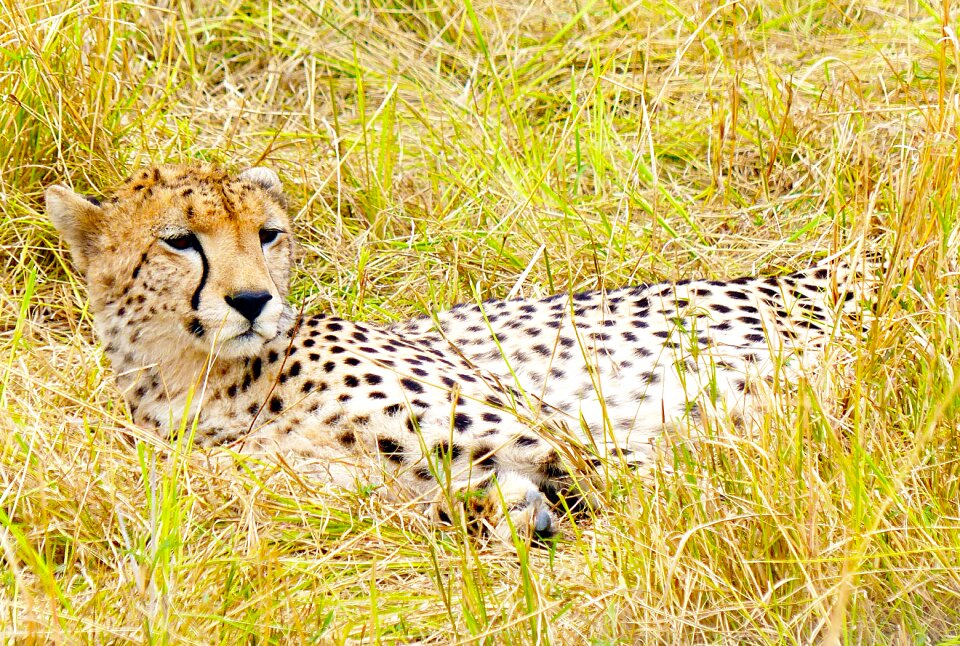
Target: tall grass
(434, 152)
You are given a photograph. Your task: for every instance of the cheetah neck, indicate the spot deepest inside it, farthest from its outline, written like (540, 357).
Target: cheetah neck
(168, 382)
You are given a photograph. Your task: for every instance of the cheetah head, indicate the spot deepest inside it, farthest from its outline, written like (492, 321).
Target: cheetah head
(182, 258)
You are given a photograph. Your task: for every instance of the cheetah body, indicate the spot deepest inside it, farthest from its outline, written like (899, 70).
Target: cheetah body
(187, 270)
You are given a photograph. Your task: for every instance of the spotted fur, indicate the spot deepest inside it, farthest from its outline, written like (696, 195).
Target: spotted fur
(187, 270)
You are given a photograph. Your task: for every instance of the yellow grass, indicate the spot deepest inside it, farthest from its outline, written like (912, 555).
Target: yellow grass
(434, 151)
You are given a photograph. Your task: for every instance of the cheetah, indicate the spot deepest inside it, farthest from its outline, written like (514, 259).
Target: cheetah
(471, 411)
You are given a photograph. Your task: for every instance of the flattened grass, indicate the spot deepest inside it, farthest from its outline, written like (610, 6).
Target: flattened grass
(440, 151)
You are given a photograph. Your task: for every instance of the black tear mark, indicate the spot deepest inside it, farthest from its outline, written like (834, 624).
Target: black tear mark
(136, 270)
(92, 200)
(195, 301)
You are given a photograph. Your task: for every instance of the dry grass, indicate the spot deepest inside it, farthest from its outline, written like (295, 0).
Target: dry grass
(434, 151)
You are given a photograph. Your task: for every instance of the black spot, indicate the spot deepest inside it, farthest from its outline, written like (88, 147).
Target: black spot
(390, 450)
(276, 404)
(491, 417)
(352, 361)
(462, 421)
(232, 391)
(445, 451)
(195, 326)
(307, 386)
(749, 320)
(411, 385)
(755, 338)
(309, 343)
(256, 368)
(483, 457)
(333, 326)
(344, 398)
(412, 424)
(329, 366)
(737, 295)
(806, 324)
(336, 349)
(717, 307)
(347, 438)
(360, 420)
(523, 440)
(272, 356)
(392, 409)
(376, 394)
(650, 378)
(350, 381)
(372, 379)
(313, 356)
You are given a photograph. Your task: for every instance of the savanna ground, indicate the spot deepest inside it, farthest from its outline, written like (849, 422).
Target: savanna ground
(437, 152)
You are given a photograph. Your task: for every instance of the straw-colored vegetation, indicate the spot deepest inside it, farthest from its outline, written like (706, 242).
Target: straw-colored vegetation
(434, 152)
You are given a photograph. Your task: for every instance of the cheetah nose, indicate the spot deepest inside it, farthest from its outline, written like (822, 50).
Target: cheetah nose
(250, 304)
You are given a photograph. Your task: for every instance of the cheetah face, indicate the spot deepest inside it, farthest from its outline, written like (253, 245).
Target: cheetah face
(183, 258)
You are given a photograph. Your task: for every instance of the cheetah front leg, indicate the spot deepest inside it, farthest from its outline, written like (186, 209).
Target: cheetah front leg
(503, 504)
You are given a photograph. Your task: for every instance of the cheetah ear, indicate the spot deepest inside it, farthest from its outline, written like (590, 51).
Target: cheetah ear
(78, 219)
(263, 177)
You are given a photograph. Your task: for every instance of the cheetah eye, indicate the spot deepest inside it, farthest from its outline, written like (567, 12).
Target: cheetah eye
(182, 242)
(269, 235)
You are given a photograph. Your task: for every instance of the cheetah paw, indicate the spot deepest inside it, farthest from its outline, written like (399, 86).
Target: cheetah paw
(531, 518)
